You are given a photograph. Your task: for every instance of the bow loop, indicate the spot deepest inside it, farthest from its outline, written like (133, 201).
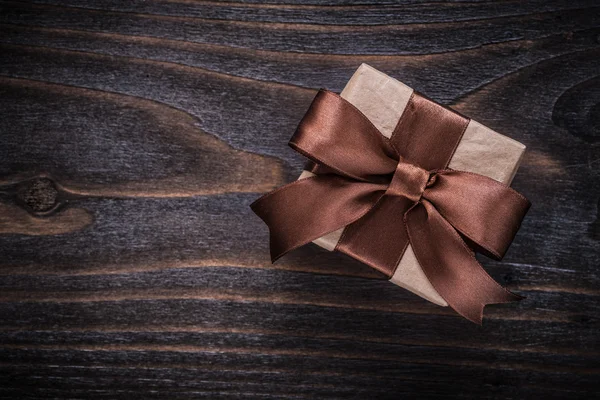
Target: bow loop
(301, 216)
(485, 211)
(330, 121)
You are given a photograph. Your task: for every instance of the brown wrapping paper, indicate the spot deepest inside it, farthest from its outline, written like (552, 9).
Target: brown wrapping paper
(383, 99)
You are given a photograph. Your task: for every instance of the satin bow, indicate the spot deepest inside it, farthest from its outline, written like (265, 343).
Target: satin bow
(392, 193)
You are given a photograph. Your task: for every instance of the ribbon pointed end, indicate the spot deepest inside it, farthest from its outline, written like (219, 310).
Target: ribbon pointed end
(475, 314)
(507, 297)
(275, 254)
(278, 249)
(517, 297)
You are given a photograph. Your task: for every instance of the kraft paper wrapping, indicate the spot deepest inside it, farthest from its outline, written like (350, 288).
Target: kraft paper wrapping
(383, 99)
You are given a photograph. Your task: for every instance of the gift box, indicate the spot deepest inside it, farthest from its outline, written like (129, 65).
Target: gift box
(404, 185)
(383, 99)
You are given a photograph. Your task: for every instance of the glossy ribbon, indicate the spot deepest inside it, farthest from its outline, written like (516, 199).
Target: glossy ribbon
(388, 193)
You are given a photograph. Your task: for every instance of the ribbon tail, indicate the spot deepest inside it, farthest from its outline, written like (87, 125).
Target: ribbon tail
(309, 208)
(450, 265)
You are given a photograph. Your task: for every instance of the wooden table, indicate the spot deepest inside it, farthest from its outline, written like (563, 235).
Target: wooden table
(134, 135)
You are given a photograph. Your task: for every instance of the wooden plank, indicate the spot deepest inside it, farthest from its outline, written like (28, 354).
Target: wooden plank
(332, 14)
(312, 38)
(270, 285)
(225, 313)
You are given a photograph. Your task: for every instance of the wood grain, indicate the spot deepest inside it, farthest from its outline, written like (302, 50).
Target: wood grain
(134, 135)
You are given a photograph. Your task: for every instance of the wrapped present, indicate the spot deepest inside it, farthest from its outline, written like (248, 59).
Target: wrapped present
(411, 188)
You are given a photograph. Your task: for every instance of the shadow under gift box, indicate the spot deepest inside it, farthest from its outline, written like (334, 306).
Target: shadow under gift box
(382, 100)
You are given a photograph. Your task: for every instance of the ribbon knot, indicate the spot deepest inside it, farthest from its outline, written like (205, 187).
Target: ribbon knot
(389, 194)
(408, 181)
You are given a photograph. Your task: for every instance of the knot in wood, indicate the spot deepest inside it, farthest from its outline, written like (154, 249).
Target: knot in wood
(39, 194)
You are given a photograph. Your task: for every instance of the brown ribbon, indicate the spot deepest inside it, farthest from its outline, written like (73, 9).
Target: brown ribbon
(388, 193)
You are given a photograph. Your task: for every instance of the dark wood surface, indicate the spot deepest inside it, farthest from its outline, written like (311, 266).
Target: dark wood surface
(134, 135)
